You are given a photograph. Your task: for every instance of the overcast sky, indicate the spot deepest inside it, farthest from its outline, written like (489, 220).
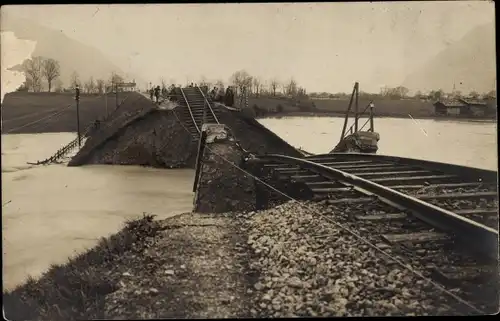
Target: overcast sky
(324, 46)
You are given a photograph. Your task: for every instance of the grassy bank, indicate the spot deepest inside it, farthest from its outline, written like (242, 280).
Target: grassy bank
(26, 112)
(77, 289)
(397, 108)
(187, 266)
(342, 115)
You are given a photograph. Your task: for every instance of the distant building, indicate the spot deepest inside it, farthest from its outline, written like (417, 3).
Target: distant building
(127, 86)
(462, 107)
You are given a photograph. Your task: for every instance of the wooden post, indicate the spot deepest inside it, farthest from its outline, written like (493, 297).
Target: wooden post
(106, 98)
(347, 114)
(356, 112)
(116, 95)
(77, 97)
(372, 127)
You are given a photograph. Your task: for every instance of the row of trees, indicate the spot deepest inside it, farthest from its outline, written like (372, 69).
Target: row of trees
(242, 81)
(37, 69)
(40, 69)
(402, 93)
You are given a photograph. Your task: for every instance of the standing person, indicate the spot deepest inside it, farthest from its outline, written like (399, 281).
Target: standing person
(231, 96)
(220, 95)
(227, 97)
(151, 94)
(157, 94)
(213, 93)
(172, 93)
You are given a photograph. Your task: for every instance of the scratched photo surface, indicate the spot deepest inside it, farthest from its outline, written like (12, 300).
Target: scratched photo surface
(249, 160)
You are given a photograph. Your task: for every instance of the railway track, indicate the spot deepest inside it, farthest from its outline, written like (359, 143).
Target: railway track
(459, 200)
(195, 109)
(441, 217)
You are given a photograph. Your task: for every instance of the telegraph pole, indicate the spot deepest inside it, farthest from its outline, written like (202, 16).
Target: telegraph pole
(116, 95)
(77, 98)
(106, 98)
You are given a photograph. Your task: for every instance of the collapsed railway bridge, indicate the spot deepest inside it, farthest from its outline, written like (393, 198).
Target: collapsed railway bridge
(167, 135)
(441, 217)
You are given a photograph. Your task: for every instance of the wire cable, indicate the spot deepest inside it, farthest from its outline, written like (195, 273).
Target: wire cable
(361, 238)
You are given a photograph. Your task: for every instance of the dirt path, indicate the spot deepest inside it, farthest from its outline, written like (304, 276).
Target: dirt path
(196, 269)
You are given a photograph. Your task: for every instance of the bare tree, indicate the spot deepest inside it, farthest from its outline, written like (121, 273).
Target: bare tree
(491, 94)
(75, 80)
(436, 94)
(274, 85)
(256, 86)
(241, 79)
(50, 70)
(115, 79)
(402, 92)
(100, 86)
(90, 85)
(397, 92)
(284, 89)
(291, 88)
(473, 94)
(33, 71)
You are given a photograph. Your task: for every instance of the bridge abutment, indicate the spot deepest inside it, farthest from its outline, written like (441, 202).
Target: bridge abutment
(221, 185)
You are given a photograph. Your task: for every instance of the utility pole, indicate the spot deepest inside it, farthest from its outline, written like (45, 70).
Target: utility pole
(106, 98)
(77, 98)
(116, 86)
(356, 112)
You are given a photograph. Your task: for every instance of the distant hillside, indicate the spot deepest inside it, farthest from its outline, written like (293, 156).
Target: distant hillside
(469, 62)
(72, 55)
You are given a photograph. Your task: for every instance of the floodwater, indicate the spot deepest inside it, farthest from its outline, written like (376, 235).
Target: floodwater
(56, 210)
(469, 143)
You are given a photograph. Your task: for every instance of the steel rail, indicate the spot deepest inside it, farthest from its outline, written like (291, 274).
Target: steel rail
(480, 238)
(478, 174)
(208, 104)
(190, 112)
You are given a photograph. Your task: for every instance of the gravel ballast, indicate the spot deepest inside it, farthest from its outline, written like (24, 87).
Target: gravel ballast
(288, 261)
(311, 267)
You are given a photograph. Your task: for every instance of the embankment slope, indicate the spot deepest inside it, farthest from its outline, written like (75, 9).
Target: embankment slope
(156, 137)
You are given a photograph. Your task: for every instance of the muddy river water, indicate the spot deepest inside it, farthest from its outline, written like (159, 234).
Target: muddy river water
(51, 212)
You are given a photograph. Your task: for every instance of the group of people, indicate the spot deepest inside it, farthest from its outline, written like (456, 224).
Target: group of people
(156, 92)
(216, 94)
